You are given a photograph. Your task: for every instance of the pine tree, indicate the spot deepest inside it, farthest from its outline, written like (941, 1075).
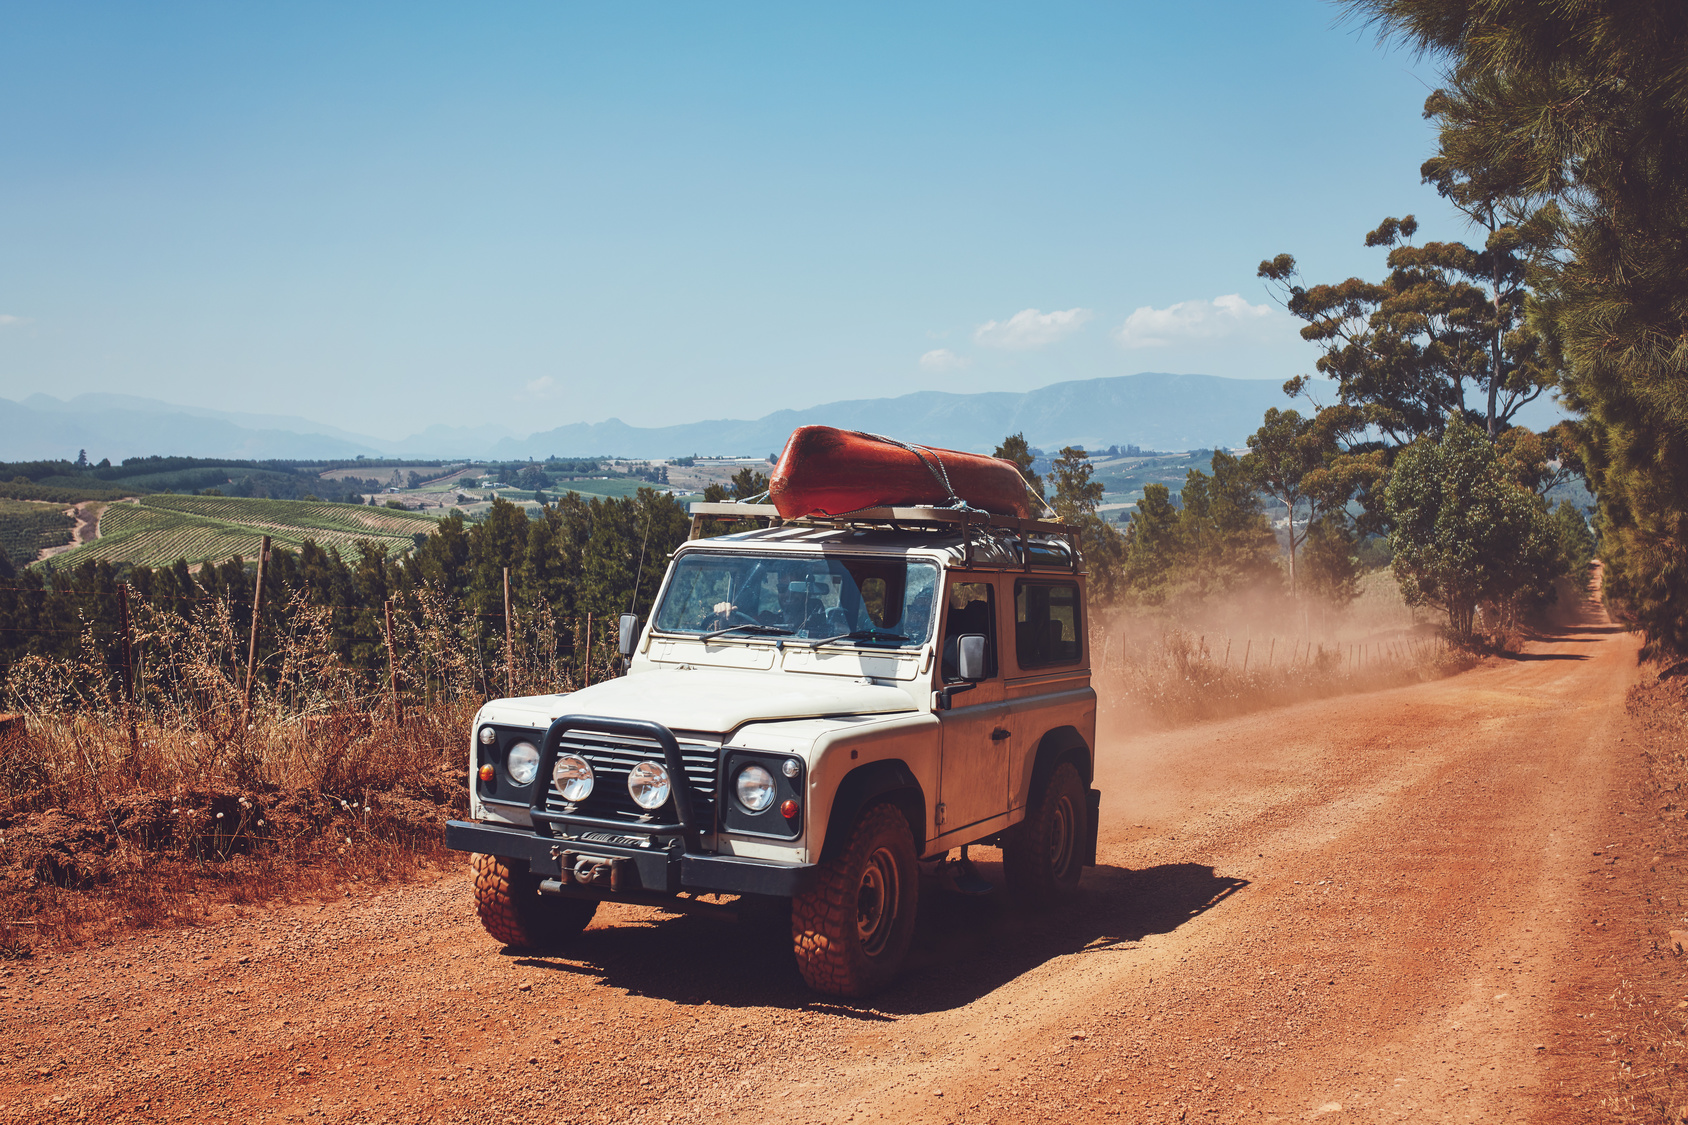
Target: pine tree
(1015, 449)
(1575, 114)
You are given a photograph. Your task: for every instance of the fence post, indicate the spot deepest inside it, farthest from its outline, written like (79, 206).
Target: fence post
(392, 665)
(257, 607)
(1248, 648)
(1270, 652)
(586, 676)
(509, 642)
(128, 670)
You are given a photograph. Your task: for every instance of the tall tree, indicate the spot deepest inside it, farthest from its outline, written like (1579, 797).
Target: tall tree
(1015, 449)
(1577, 112)
(1077, 492)
(1304, 464)
(1408, 350)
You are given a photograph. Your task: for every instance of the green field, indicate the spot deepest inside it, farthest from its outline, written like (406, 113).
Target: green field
(26, 528)
(158, 530)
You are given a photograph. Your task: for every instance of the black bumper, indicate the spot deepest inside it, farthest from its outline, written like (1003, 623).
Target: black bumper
(637, 870)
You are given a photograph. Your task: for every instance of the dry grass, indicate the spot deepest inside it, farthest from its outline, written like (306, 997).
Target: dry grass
(115, 815)
(94, 837)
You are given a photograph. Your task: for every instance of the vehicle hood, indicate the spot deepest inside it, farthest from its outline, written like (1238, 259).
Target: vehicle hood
(705, 700)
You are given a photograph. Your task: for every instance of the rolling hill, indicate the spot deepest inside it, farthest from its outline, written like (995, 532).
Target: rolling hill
(158, 530)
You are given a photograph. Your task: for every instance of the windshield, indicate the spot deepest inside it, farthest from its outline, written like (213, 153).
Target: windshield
(856, 600)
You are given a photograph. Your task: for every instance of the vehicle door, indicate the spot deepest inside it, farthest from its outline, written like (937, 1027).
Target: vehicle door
(1047, 685)
(974, 762)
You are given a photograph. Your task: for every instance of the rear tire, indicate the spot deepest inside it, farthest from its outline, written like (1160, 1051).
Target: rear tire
(512, 910)
(851, 930)
(1042, 856)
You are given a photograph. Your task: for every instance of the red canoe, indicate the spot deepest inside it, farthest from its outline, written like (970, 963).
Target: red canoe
(828, 472)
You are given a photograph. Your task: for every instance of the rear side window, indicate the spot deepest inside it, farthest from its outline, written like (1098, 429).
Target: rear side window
(1046, 623)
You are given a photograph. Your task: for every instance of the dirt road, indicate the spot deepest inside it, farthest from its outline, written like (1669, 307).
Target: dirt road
(1372, 908)
(85, 530)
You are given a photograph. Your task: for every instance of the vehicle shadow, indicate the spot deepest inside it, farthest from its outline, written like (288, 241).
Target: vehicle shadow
(963, 947)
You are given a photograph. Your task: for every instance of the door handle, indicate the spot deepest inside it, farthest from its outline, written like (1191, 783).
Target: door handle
(999, 734)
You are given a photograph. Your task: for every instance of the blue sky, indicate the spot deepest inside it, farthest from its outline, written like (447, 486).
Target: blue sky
(386, 217)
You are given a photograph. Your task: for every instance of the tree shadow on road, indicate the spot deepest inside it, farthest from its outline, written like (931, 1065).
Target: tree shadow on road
(963, 947)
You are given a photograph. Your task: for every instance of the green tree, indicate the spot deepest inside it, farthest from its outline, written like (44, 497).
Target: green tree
(1575, 540)
(1015, 449)
(1077, 492)
(1307, 466)
(1225, 541)
(1409, 350)
(1152, 547)
(747, 482)
(1575, 114)
(1331, 564)
(1463, 533)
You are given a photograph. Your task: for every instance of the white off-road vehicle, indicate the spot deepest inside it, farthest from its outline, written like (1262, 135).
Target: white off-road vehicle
(816, 711)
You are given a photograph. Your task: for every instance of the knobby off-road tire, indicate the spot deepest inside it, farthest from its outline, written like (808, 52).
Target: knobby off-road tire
(851, 930)
(1042, 857)
(512, 910)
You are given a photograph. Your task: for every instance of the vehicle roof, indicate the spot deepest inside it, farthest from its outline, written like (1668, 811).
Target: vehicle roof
(991, 548)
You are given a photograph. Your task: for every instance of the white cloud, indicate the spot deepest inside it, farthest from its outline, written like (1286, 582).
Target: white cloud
(1195, 321)
(1030, 328)
(942, 359)
(7, 320)
(540, 389)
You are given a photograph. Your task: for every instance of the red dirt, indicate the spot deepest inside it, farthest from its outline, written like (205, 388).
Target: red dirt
(1369, 908)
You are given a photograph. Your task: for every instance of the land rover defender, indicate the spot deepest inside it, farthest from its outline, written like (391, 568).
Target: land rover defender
(814, 711)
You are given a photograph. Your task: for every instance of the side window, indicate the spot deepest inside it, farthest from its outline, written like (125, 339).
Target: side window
(1046, 624)
(972, 609)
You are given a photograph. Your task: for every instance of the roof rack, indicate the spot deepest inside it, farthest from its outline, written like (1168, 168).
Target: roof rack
(900, 519)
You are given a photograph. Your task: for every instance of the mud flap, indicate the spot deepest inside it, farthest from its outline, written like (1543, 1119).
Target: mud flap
(1092, 798)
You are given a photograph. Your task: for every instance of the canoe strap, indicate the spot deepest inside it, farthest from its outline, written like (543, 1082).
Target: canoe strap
(935, 464)
(1048, 508)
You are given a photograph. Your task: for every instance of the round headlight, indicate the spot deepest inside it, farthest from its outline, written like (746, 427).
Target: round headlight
(488, 736)
(755, 787)
(522, 762)
(791, 767)
(647, 783)
(573, 775)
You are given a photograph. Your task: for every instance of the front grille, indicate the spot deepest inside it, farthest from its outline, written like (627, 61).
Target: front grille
(612, 756)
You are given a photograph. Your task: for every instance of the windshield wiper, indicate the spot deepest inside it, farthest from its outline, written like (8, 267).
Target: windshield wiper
(856, 635)
(759, 630)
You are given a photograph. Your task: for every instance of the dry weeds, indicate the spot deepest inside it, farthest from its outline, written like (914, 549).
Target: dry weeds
(118, 815)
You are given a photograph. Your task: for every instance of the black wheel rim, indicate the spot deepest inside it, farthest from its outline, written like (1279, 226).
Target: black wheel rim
(877, 901)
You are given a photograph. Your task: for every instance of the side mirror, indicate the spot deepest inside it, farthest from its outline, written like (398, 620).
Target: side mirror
(629, 633)
(970, 657)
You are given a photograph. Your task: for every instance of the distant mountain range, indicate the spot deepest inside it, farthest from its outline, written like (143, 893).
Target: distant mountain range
(1151, 410)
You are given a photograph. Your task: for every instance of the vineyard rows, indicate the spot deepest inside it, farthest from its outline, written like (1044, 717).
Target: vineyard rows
(161, 529)
(350, 518)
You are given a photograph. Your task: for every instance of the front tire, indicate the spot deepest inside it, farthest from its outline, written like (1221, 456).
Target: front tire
(851, 930)
(512, 910)
(1042, 858)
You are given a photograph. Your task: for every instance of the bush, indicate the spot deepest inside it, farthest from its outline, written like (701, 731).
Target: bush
(1464, 534)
